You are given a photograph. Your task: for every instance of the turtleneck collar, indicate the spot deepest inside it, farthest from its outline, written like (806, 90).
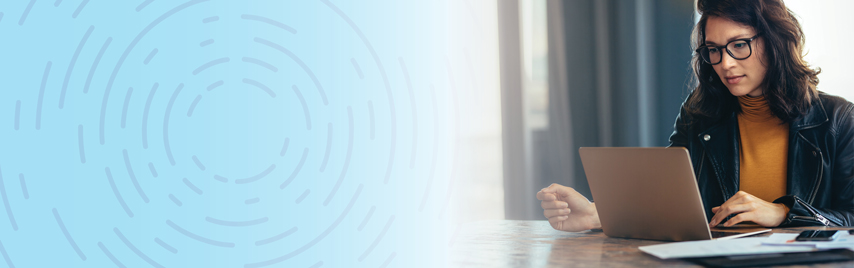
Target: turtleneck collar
(755, 109)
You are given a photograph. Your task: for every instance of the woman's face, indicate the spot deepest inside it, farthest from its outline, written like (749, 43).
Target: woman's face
(740, 76)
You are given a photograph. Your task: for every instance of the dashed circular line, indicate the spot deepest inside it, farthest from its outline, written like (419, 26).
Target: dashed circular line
(346, 159)
(125, 106)
(389, 95)
(198, 237)
(79, 8)
(198, 163)
(193, 105)
(305, 111)
(166, 246)
(220, 178)
(150, 56)
(367, 218)
(285, 147)
(41, 96)
(257, 177)
(135, 250)
(26, 12)
(206, 42)
(313, 241)
(237, 223)
(133, 177)
(299, 62)
(143, 5)
(166, 124)
(3, 249)
(269, 21)
(110, 255)
(388, 260)
(261, 63)
(145, 115)
(56, 4)
(358, 70)
(252, 200)
(210, 19)
(175, 200)
(117, 193)
(80, 146)
(210, 64)
(24, 186)
(151, 168)
(125, 54)
(261, 86)
(6, 203)
(67, 234)
(377, 240)
(192, 186)
(95, 64)
(302, 196)
(328, 147)
(215, 85)
(276, 237)
(296, 169)
(72, 63)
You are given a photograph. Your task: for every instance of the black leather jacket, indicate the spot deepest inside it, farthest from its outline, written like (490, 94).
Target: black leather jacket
(820, 176)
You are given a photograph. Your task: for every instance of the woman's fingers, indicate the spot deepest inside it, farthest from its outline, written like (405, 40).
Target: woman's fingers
(553, 204)
(546, 196)
(557, 222)
(550, 213)
(747, 216)
(727, 210)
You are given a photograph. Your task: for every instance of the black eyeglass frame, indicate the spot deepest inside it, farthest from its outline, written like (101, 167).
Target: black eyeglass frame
(726, 47)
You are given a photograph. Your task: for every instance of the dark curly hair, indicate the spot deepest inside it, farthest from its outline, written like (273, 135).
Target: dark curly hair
(789, 83)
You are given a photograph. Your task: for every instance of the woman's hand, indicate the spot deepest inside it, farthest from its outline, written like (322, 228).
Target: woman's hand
(749, 208)
(568, 210)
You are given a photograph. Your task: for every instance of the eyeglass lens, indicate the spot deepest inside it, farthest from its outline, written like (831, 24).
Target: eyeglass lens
(739, 49)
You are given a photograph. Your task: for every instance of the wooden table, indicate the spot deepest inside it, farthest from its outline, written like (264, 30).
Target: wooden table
(507, 243)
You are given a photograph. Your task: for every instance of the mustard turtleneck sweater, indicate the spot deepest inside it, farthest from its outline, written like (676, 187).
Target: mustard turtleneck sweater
(763, 149)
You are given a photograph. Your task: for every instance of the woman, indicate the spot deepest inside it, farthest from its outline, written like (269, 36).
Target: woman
(767, 147)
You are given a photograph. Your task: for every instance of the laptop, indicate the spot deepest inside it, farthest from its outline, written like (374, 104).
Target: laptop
(649, 193)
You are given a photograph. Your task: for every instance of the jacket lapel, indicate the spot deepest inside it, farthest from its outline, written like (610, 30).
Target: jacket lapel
(720, 141)
(805, 158)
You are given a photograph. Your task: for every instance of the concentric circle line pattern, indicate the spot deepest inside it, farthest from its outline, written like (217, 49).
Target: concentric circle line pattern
(125, 54)
(296, 169)
(258, 176)
(145, 115)
(299, 62)
(150, 56)
(143, 5)
(206, 42)
(26, 13)
(3, 249)
(346, 159)
(237, 223)
(193, 105)
(260, 86)
(210, 64)
(125, 106)
(313, 241)
(133, 177)
(328, 147)
(80, 146)
(79, 8)
(270, 22)
(117, 193)
(356, 67)
(285, 147)
(198, 237)
(67, 234)
(261, 63)
(389, 95)
(6, 203)
(95, 64)
(41, 96)
(377, 240)
(136, 250)
(304, 107)
(276, 237)
(165, 245)
(166, 116)
(367, 218)
(110, 255)
(72, 63)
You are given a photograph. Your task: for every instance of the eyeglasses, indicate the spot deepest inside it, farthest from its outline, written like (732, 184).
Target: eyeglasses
(739, 49)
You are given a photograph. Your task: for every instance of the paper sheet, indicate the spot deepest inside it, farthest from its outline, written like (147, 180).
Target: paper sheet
(711, 248)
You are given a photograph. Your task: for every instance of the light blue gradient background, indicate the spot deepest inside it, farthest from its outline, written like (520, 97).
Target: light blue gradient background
(236, 131)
